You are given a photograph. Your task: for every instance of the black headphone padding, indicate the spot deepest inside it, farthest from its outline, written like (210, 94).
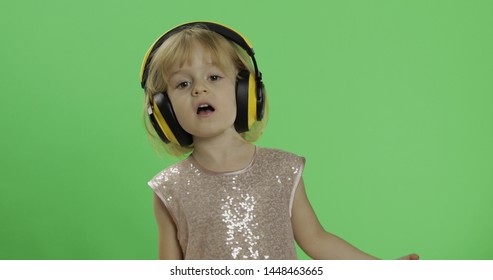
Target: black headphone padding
(241, 122)
(184, 138)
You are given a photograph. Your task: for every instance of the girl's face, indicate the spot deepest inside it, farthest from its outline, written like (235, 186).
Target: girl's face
(203, 95)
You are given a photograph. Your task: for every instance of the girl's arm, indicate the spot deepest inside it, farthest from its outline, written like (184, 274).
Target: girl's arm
(314, 240)
(168, 246)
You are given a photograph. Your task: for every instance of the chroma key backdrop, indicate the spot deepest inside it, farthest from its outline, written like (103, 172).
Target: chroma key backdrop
(390, 102)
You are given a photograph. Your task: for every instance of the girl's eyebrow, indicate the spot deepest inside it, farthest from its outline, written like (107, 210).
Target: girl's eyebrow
(175, 72)
(180, 70)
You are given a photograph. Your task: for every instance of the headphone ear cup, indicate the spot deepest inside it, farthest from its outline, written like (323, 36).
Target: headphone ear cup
(242, 92)
(156, 126)
(167, 123)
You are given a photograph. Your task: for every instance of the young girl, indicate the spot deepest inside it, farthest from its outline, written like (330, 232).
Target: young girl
(229, 199)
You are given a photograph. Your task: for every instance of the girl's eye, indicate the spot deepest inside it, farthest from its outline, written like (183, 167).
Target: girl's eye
(214, 78)
(183, 85)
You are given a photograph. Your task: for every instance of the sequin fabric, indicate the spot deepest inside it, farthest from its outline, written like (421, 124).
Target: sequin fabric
(244, 214)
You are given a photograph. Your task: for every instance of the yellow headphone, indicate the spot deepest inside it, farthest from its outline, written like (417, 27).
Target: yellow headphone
(250, 99)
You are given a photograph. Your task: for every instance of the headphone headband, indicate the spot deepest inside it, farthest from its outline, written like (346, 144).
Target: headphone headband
(220, 29)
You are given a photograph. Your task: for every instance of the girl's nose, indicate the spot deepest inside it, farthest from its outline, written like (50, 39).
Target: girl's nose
(199, 89)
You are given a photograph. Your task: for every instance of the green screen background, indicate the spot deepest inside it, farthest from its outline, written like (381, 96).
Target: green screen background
(389, 101)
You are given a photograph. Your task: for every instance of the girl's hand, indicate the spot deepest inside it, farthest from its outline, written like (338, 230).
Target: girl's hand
(410, 257)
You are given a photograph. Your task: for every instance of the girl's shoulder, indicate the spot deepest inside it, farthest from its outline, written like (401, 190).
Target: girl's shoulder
(278, 155)
(170, 174)
(280, 160)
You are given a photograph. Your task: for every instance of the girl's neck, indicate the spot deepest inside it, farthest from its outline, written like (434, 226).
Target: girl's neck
(223, 155)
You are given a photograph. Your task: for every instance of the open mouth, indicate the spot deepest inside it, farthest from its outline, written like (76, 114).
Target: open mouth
(205, 109)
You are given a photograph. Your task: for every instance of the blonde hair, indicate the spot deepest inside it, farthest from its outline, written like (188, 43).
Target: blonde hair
(178, 50)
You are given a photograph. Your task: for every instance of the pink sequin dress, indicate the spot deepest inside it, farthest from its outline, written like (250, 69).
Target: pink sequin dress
(244, 214)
